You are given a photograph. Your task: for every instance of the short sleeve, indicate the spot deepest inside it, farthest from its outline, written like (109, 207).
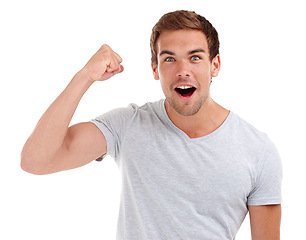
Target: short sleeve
(113, 125)
(268, 181)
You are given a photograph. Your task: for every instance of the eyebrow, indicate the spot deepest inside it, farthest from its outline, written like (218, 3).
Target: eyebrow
(189, 53)
(166, 52)
(196, 51)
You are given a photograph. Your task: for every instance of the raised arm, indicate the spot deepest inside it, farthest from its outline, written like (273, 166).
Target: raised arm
(54, 146)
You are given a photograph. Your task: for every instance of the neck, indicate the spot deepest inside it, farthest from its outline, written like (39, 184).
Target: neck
(205, 121)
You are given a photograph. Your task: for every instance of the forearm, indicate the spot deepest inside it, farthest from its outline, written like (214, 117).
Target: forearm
(49, 133)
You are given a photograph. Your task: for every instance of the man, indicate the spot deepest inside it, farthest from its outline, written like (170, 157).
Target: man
(191, 169)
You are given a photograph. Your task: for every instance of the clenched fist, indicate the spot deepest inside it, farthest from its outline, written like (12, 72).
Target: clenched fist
(104, 64)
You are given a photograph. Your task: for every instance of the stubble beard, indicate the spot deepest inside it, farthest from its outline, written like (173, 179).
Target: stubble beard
(188, 108)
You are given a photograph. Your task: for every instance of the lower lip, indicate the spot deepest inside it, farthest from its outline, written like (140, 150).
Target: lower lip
(186, 97)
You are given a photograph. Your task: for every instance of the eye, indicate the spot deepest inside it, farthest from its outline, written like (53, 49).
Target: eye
(195, 58)
(169, 59)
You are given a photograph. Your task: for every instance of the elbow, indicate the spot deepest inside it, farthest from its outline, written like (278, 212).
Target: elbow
(28, 164)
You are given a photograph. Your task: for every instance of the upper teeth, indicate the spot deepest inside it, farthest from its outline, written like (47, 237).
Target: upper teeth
(184, 87)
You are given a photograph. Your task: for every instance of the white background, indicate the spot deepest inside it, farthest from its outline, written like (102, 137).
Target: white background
(44, 43)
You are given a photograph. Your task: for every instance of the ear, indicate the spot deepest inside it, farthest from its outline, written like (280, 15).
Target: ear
(215, 66)
(155, 71)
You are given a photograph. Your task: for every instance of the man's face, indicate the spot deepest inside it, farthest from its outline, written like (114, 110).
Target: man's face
(184, 69)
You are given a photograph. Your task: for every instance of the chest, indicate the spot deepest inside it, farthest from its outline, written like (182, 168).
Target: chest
(214, 173)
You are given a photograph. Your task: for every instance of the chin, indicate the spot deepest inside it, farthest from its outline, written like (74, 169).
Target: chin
(187, 112)
(186, 109)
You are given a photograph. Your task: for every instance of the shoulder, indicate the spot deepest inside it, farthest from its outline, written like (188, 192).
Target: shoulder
(149, 110)
(152, 107)
(118, 113)
(257, 142)
(250, 140)
(247, 131)
(124, 115)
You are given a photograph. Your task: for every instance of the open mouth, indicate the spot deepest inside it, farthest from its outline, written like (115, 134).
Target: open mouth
(185, 91)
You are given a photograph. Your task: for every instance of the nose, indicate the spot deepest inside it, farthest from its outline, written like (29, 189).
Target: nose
(183, 69)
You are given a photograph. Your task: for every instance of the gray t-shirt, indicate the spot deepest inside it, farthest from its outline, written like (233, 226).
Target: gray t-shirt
(178, 188)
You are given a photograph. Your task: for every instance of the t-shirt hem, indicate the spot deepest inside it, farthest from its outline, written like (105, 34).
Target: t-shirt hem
(105, 132)
(270, 201)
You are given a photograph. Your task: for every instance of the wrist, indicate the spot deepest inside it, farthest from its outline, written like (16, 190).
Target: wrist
(83, 78)
(79, 84)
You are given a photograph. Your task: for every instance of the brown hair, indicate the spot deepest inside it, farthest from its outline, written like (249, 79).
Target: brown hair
(185, 20)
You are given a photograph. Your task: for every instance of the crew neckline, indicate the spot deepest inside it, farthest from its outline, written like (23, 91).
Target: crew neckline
(184, 135)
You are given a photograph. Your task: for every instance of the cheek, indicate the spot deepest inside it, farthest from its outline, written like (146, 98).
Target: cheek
(201, 73)
(162, 69)
(163, 74)
(165, 82)
(167, 74)
(165, 85)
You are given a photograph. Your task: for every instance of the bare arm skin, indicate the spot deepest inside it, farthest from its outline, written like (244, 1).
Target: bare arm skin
(265, 222)
(54, 146)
